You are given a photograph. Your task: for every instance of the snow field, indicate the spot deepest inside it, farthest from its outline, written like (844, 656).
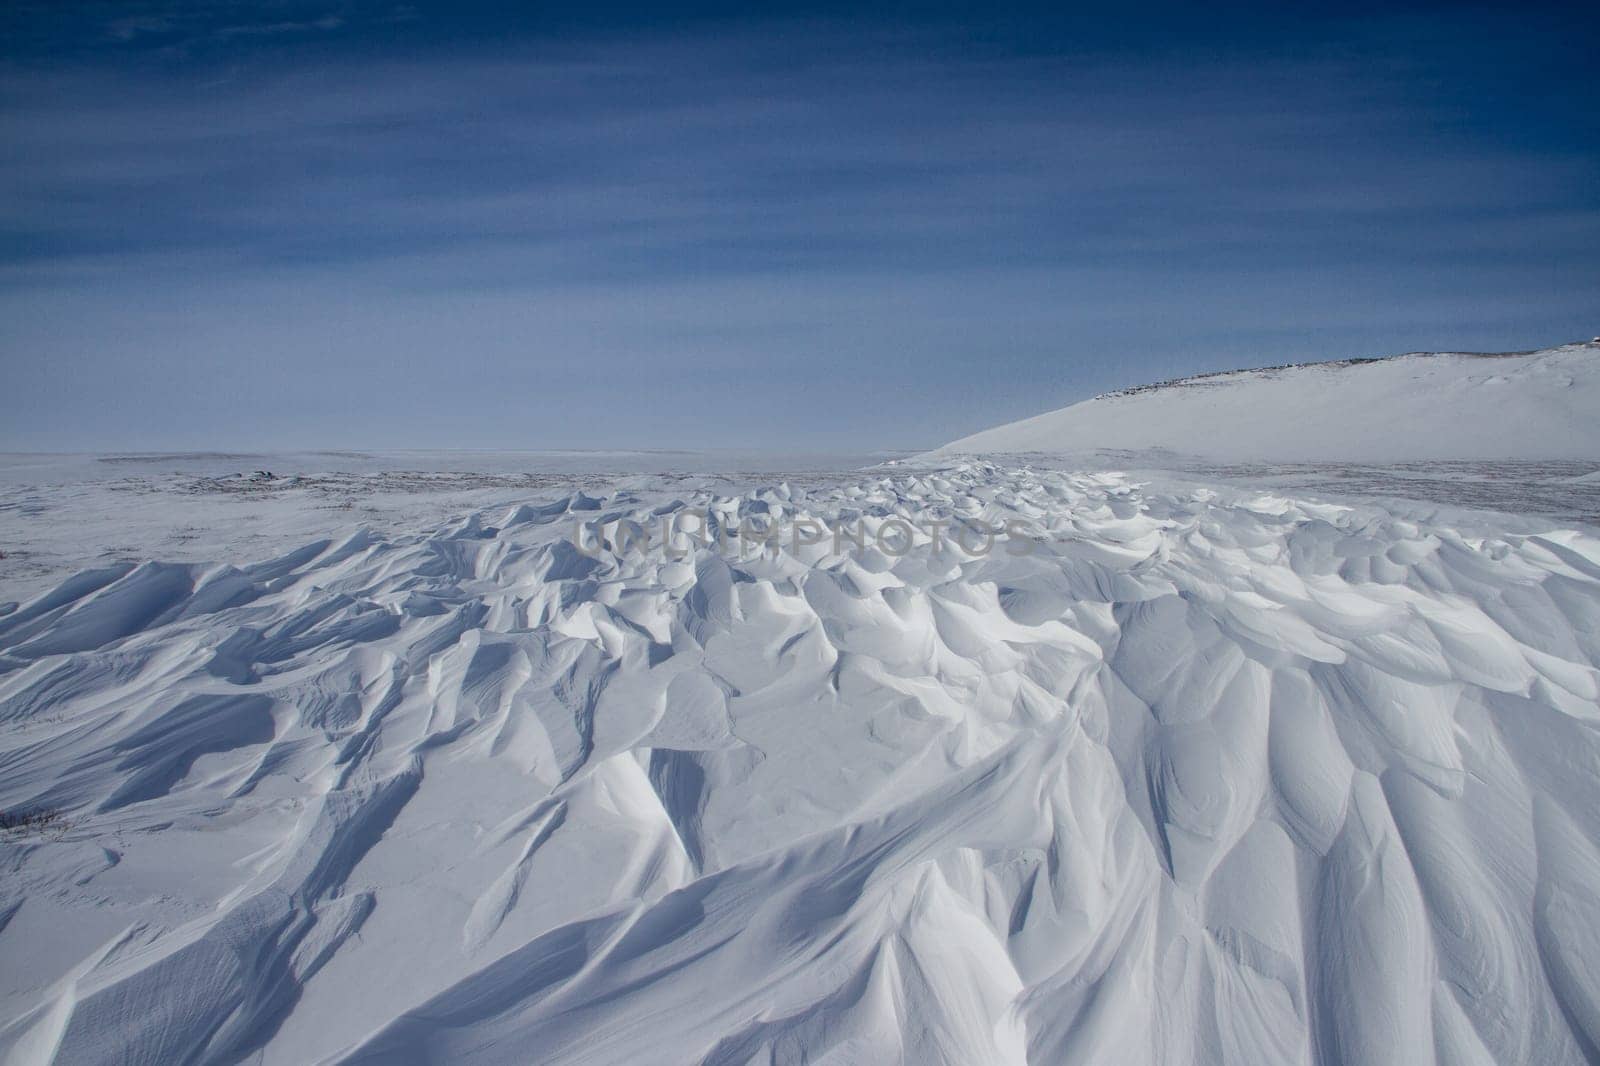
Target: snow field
(1209, 776)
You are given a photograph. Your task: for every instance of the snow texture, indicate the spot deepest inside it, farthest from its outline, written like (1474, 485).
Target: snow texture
(1207, 775)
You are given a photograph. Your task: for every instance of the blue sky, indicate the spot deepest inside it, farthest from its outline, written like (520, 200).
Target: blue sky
(302, 225)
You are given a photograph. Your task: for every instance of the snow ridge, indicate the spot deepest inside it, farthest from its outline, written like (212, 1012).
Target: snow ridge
(1447, 405)
(1205, 776)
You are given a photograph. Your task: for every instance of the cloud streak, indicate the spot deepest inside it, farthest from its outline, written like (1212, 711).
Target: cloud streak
(764, 197)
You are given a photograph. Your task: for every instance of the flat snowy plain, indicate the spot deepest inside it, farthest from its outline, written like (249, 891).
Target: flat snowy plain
(1238, 762)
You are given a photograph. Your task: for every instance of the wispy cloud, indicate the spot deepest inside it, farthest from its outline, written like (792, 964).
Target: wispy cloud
(632, 161)
(269, 29)
(222, 19)
(777, 193)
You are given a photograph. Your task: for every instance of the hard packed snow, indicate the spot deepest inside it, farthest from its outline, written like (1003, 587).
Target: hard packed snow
(1186, 773)
(1451, 406)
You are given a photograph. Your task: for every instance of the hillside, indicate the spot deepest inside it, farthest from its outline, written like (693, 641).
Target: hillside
(1448, 405)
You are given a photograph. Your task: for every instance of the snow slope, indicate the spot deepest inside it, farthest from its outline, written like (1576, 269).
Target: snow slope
(1530, 405)
(1205, 776)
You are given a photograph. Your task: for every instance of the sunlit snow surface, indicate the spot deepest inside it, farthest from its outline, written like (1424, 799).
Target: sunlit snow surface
(1424, 406)
(1213, 774)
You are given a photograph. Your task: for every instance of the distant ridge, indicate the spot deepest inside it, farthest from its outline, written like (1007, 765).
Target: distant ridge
(1360, 360)
(1538, 404)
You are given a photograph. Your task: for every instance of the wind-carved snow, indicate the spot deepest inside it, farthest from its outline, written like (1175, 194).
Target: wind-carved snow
(1204, 777)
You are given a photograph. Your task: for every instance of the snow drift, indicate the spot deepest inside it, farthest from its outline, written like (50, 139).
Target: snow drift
(1207, 776)
(1526, 405)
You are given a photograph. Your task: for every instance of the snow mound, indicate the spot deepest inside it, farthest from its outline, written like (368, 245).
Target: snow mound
(1527, 405)
(1201, 776)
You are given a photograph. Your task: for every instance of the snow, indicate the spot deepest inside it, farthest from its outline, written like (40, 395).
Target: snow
(60, 514)
(1530, 405)
(1271, 734)
(1211, 772)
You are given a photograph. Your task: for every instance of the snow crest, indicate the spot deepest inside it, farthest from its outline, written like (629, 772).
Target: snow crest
(1434, 406)
(1205, 776)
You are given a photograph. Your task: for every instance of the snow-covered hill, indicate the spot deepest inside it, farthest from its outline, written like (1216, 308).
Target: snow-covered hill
(1525, 405)
(1199, 776)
